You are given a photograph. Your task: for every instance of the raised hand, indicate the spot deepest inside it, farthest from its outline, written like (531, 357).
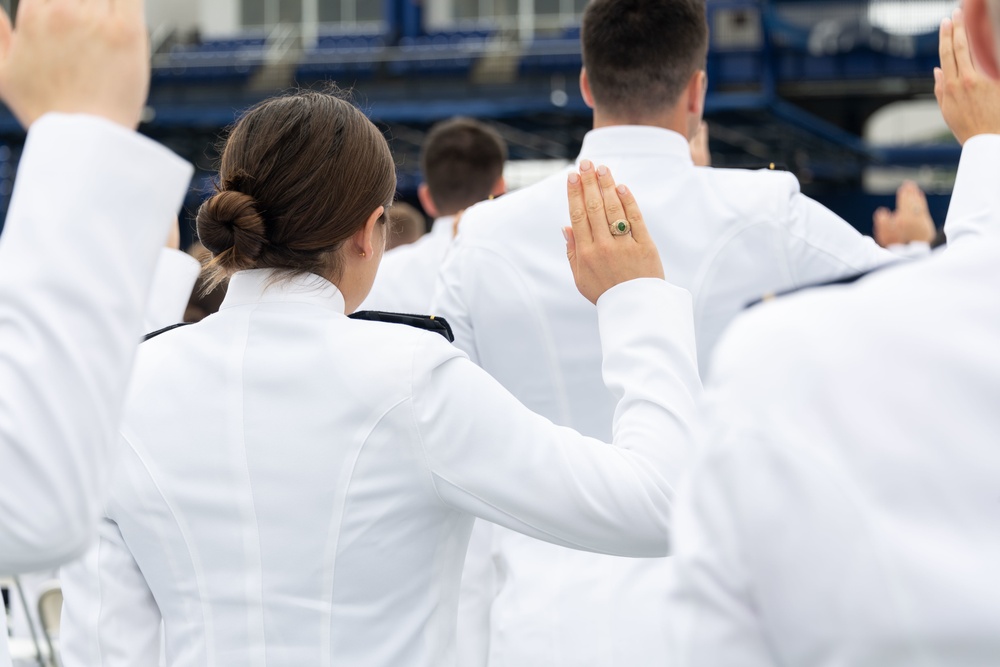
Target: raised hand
(608, 243)
(75, 56)
(911, 221)
(969, 100)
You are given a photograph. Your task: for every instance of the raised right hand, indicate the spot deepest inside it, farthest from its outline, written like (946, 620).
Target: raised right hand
(969, 100)
(75, 56)
(599, 259)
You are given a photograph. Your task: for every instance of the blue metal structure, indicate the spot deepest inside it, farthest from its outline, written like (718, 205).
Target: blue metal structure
(790, 81)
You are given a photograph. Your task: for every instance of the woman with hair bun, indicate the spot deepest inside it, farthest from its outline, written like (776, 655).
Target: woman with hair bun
(296, 487)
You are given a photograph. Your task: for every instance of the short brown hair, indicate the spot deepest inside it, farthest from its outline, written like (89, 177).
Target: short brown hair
(406, 225)
(640, 54)
(300, 175)
(462, 160)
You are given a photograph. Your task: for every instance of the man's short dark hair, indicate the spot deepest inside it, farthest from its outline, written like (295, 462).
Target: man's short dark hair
(462, 160)
(640, 54)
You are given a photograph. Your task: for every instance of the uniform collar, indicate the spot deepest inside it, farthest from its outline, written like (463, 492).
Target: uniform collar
(633, 140)
(443, 226)
(268, 286)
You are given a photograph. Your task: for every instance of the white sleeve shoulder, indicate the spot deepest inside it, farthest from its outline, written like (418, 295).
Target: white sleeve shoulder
(975, 202)
(821, 246)
(109, 616)
(490, 456)
(176, 274)
(75, 271)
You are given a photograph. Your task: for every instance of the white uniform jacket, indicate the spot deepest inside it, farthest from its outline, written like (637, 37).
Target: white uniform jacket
(727, 236)
(845, 508)
(89, 213)
(176, 274)
(296, 487)
(407, 275)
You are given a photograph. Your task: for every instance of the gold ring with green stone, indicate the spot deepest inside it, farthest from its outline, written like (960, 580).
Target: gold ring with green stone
(620, 228)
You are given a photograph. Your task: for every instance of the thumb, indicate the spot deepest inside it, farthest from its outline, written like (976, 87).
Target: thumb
(881, 221)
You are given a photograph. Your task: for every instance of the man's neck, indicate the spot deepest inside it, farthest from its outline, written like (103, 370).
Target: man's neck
(669, 120)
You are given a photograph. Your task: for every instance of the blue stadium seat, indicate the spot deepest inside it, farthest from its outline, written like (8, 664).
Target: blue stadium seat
(440, 53)
(231, 60)
(343, 56)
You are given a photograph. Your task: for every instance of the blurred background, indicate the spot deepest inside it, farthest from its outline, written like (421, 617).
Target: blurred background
(839, 93)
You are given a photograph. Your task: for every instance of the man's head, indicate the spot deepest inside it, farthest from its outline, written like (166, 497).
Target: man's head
(644, 60)
(462, 162)
(982, 21)
(406, 225)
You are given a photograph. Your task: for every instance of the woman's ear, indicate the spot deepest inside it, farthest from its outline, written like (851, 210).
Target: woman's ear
(366, 238)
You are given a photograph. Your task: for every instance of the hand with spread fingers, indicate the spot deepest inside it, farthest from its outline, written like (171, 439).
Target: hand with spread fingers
(608, 243)
(911, 221)
(969, 100)
(70, 56)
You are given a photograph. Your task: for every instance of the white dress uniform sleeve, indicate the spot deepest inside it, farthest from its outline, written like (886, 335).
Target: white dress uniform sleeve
(975, 202)
(109, 614)
(822, 246)
(572, 490)
(176, 274)
(88, 216)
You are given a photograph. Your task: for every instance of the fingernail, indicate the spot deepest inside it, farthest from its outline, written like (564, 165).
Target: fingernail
(622, 190)
(602, 170)
(946, 23)
(565, 235)
(586, 165)
(937, 75)
(574, 178)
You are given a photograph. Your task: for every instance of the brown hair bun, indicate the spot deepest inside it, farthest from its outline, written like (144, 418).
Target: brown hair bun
(232, 228)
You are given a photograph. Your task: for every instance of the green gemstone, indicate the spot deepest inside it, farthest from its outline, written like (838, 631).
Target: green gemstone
(622, 227)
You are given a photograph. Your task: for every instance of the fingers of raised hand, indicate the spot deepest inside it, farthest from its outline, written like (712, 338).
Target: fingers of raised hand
(946, 51)
(594, 201)
(578, 208)
(960, 45)
(613, 209)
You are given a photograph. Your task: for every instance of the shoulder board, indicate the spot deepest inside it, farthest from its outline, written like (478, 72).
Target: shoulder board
(846, 280)
(426, 322)
(164, 330)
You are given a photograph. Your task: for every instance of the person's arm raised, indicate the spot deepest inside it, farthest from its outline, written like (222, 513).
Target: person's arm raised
(91, 208)
(490, 456)
(970, 104)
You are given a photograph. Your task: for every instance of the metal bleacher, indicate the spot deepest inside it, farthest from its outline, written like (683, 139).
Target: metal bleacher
(790, 81)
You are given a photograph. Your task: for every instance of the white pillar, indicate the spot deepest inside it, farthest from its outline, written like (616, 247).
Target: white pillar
(219, 18)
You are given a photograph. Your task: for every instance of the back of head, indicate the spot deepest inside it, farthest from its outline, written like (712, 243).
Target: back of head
(640, 54)
(300, 174)
(462, 160)
(406, 225)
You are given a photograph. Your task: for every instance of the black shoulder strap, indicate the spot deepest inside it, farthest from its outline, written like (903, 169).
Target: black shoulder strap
(426, 322)
(164, 330)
